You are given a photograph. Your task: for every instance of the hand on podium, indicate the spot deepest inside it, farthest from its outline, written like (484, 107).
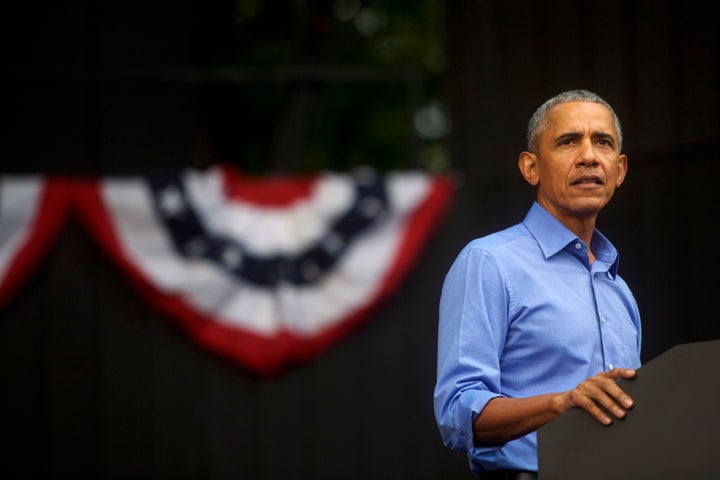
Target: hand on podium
(599, 391)
(505, 419)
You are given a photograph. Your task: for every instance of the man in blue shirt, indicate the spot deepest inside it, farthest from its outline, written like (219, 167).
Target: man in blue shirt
(534, 319)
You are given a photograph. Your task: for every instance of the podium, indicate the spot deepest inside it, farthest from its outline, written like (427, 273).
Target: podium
(672, 431)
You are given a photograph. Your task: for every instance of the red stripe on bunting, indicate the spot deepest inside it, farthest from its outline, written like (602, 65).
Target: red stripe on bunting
(270, 191)
(51, 213)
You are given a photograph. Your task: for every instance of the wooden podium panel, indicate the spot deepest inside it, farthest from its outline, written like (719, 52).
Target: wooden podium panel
(672, 432)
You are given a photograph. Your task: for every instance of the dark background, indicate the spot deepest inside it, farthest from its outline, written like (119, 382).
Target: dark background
(98, 385)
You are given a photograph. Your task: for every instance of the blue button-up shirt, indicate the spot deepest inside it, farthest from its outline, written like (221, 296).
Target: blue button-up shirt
(523, 312)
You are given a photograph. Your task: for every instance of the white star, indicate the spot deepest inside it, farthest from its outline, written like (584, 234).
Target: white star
(232, 256)
(196, 246)
(171, 201)
(309, 270)
(370, 207)
(332, 243)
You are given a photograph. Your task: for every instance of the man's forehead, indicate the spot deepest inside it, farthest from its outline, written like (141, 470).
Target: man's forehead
(581, 116)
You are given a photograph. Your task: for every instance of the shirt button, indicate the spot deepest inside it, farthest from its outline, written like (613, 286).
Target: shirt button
(578, 246)
(602, 319)
(611, 366)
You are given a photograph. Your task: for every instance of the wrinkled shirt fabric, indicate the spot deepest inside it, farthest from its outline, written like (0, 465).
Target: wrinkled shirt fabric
(523, 312)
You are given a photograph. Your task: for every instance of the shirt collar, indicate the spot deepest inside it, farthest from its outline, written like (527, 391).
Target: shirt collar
(552, 236)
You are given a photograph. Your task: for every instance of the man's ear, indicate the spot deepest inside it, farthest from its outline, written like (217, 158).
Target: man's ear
(622, 170)
(527, 162)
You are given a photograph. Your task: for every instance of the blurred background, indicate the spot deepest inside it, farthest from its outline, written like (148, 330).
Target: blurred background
(97, 384)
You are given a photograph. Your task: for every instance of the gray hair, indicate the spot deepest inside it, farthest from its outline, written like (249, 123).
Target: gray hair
(539, 119)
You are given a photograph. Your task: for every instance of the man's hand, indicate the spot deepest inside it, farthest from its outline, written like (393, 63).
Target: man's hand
(505, 419)
(602, 391)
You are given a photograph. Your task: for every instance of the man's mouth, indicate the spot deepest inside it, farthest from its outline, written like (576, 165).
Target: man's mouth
(587, 180)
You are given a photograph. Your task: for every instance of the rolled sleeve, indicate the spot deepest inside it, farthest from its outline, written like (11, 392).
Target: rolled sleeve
(470, 338)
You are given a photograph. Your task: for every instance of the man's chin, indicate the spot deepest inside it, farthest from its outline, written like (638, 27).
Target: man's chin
(589, 207)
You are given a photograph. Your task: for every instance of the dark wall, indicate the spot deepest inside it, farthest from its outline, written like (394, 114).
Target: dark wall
(98, 385)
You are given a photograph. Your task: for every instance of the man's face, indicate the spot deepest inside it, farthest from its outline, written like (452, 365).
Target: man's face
(578, 164)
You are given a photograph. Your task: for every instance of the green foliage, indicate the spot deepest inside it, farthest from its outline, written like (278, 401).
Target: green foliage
(339, 83)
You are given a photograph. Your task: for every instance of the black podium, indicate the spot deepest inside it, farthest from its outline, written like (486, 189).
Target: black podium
(672, 432)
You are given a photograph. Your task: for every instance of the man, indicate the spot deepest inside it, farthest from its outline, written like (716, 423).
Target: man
(534, 319)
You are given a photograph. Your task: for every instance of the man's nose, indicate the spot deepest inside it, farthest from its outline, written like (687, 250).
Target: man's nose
(587, 155)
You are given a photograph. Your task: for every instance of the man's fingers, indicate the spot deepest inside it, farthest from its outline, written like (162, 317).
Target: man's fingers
(603, 391)
(617, 373)
(618, 395)
(593, 409)
(607, 382)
